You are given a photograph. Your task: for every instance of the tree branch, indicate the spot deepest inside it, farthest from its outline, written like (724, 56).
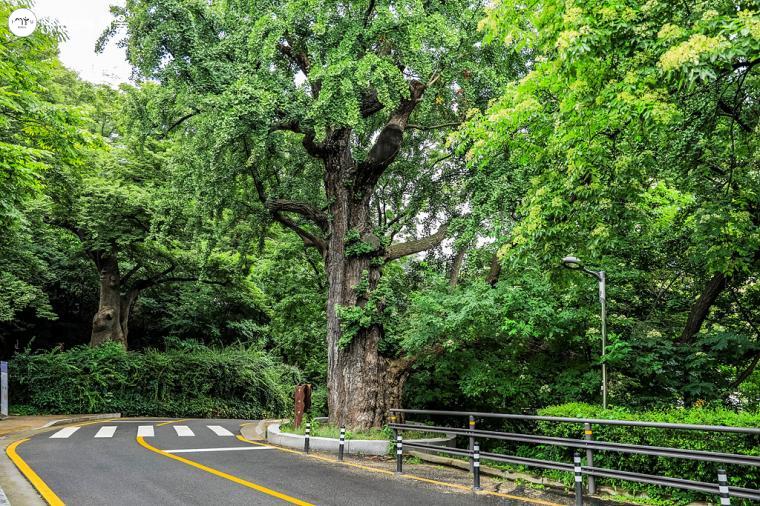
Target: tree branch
(125, 278)
(177, 123)
(494, 271)
(368, 12)
(301, 60)
(308, 238)
(312, 147)
(154, 280)
(746, 373)
(304, 209)
(370, 104)
(456, 266)
(396, 251)
(701, 307)
(388, 143)
(433, 127)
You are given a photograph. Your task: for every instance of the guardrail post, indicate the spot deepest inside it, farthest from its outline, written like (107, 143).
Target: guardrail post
(590, 457)
(725, 498)
(578, 479)
(471, 446)
(341, 443)
(399, 454)
(307, 434)
(476, 467)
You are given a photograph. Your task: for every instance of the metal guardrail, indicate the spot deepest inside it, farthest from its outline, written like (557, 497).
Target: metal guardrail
(720, 488)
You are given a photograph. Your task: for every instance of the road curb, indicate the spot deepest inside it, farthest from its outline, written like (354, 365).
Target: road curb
(78, 419)
(257, 430)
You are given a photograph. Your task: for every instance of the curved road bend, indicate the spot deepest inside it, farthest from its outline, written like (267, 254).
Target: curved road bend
(107, 463)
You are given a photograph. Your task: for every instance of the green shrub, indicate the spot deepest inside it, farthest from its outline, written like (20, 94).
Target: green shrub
(188, 381)
(739, 476)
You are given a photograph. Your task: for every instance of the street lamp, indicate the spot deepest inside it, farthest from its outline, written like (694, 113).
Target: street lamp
(574, 263)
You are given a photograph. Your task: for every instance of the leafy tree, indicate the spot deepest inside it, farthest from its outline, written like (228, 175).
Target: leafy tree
(129, 224)
(330, 119)
(632, 142)
(37, 135)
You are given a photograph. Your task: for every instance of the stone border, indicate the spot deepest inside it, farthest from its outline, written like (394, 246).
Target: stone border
(353, 446)
(83, 418)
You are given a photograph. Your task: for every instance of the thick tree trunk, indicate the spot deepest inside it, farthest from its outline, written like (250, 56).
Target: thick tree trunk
(110, 322)
(359, 387)
(701, 307)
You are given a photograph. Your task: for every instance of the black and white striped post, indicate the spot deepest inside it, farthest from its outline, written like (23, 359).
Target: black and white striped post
(399, 454)
(578, 479)
(476, 467)
(307, 434)
(725, 498)
(341, 443)
(471, 446)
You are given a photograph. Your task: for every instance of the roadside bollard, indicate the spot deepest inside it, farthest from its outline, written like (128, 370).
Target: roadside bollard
(589, 458)
(578, 479)
(341, 443)
(471, 445)
(476, 467)
(725, 498)
(399, 454)
(307, 434)
(395, 431)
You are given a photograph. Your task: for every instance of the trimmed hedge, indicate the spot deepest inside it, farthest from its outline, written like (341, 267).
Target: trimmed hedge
(740, 476)
(189, 381)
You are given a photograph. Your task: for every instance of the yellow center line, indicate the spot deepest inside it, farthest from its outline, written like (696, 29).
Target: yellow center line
(407, 476)
(42, 487)
(172, 421)
(215, 472)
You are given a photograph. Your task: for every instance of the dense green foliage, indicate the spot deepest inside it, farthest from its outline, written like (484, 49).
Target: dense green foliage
(625, 132)
(445, 155)
(740, 476)
(187, 380)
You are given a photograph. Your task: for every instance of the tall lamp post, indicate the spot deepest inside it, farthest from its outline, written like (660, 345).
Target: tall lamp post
(574, 263)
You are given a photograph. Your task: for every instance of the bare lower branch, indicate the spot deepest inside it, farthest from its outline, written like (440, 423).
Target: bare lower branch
(403, 249)
(308, 238)
(303, 208)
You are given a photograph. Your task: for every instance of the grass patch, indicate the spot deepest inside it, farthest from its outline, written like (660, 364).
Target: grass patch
(331, 431)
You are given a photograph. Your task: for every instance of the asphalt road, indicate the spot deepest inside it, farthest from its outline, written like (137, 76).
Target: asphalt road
(211, 466)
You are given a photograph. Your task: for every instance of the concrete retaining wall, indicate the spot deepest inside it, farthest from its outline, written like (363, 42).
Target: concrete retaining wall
(353, 446)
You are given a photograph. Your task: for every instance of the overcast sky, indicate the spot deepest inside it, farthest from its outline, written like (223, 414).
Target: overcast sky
(85, 20)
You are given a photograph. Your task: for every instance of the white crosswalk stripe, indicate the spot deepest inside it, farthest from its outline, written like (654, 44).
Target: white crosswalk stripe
(64, 433)
(107, 431)
(183, 431)
(220, 431)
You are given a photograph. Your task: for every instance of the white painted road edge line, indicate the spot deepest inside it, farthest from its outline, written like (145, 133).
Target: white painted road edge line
(3, 499)
(107, 431)
(220, 431)
(145, 431)
(233, 449)
(183, 431)
(64, 433)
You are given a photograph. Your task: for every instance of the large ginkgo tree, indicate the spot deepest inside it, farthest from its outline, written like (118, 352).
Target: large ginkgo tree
(329, 118)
